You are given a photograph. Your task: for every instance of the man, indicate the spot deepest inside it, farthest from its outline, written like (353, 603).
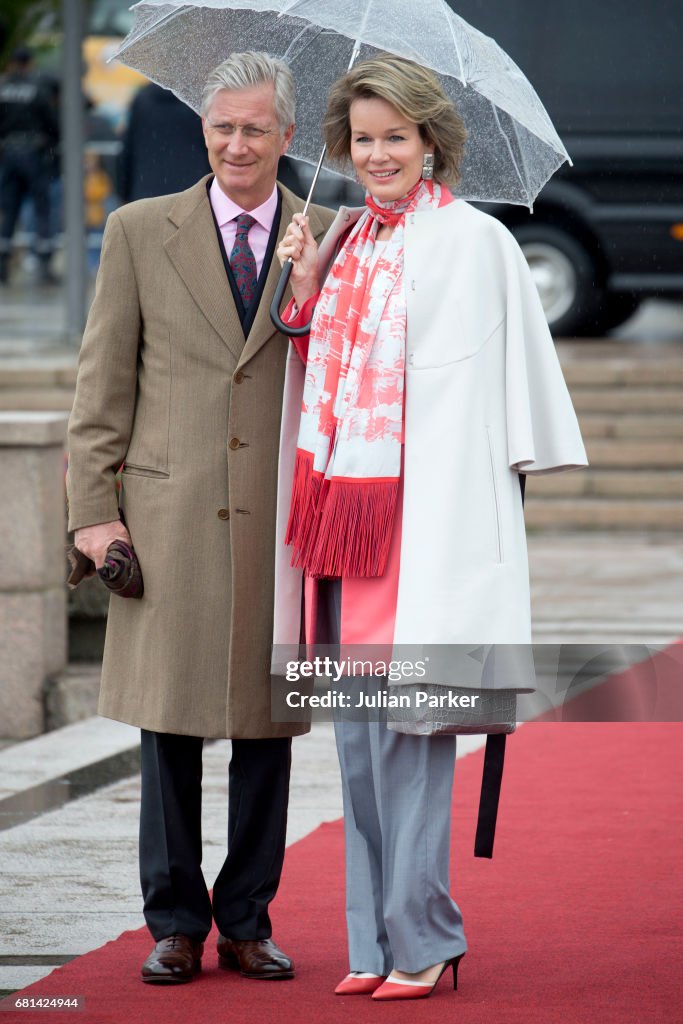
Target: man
(181, 375)
(29, 131)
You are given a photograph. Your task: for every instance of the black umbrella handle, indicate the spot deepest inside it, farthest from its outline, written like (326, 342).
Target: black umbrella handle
(278, 322)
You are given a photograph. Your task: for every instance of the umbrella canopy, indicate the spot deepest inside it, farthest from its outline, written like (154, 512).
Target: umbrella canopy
(512, 147)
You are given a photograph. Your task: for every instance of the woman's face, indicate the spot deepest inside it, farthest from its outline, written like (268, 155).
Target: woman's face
(387, 149)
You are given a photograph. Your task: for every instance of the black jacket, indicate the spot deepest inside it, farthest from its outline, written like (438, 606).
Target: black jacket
(163, 147)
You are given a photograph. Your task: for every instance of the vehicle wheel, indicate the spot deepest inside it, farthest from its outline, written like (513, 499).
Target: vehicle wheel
(615, 309)
(565, 275)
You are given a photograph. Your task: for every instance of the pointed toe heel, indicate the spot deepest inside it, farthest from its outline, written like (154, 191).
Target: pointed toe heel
(395, 989)
(355, 985)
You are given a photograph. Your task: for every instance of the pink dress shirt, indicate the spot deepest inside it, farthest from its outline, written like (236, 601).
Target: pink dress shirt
(225, 211)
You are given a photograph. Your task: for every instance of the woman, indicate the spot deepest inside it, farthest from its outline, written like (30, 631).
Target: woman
(430, 382)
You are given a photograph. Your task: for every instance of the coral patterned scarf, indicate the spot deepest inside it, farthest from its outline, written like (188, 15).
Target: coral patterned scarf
(348, 458)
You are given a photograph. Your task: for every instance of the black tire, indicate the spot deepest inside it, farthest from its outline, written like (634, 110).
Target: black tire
(566, 277)
(616, 309)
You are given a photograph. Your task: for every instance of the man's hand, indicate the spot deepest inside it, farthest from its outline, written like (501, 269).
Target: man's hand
(93, 541)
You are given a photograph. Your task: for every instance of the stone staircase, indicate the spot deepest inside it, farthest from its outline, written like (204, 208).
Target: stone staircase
(39, 383)
(629, 399)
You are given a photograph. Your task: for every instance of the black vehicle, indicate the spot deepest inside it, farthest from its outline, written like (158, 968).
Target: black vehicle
(608, 231)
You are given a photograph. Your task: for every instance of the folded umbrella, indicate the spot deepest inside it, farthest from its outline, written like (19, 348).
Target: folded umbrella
(120, 573)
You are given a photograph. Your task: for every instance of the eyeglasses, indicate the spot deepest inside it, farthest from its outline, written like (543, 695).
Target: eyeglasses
(248, 131)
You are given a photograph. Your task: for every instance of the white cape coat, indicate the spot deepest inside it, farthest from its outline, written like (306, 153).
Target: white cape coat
(485, 400)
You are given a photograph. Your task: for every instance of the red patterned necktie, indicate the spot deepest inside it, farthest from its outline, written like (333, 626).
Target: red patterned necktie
(242, 261)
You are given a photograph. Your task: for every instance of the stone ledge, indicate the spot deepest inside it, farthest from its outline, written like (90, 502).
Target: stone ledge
(22, 428)
(71, 696)
(604, 514)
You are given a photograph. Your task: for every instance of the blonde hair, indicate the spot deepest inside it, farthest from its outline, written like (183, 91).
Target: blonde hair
(416, 93)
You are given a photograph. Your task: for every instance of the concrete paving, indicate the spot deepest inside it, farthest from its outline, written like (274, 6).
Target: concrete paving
(68, 877)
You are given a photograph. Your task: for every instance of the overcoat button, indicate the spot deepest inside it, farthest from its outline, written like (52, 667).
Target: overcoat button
(223, 513)
(234, 443)
(239, 377)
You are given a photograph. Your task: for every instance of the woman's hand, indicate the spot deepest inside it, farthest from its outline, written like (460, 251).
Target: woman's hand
(299, 244)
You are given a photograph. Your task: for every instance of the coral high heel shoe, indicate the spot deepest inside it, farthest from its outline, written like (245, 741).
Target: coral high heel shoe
(358, 984)
(395, 989)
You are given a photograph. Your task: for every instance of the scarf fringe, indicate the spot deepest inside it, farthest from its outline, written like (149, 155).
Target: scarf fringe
(306, 487)
(340, 527)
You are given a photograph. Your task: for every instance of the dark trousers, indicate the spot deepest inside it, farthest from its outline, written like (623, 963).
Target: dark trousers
(176, 899)
(25, 173)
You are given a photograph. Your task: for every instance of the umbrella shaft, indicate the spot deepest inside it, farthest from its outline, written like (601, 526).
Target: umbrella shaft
(354, 57)
(315, 180)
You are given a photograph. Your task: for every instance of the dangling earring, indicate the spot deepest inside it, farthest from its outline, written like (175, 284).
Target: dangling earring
(428, 166)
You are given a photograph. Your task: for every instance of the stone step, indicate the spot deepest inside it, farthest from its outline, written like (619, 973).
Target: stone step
(604, 513)
(16, 373)
(36, 399)
(618, 452)
(614, 483)
(612, 363)
(626, 426)
(622, 373)
(628, 401)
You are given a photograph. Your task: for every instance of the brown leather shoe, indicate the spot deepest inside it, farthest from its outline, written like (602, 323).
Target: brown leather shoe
(173, 960)
(254, 958)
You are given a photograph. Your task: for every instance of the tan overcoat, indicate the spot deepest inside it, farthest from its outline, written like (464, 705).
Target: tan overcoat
(168, 383)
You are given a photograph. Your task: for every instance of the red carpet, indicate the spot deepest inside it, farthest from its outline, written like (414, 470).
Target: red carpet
(576, 920)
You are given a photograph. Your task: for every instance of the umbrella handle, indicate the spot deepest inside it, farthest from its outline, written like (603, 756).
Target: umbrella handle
(291, 332)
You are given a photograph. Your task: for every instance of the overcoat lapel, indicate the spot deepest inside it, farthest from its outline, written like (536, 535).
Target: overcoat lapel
(195, 253)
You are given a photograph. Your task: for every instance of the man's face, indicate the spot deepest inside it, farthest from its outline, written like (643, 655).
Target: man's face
(245, 142)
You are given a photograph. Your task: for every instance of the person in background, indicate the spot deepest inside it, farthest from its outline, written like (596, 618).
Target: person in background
(29, 133)
(163, 146)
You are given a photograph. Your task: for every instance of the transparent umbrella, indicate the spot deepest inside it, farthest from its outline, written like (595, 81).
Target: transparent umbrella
(512, 147)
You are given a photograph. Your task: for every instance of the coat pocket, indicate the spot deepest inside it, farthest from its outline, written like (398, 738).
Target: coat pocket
(130, 469)
(495, 492)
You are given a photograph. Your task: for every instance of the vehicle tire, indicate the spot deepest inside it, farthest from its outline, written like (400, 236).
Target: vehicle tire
(565, 275)
(616, 308)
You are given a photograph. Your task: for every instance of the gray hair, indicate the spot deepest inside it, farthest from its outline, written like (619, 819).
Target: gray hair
(245, 70)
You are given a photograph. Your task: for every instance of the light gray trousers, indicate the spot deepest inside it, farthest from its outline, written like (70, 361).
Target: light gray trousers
(397, 799)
